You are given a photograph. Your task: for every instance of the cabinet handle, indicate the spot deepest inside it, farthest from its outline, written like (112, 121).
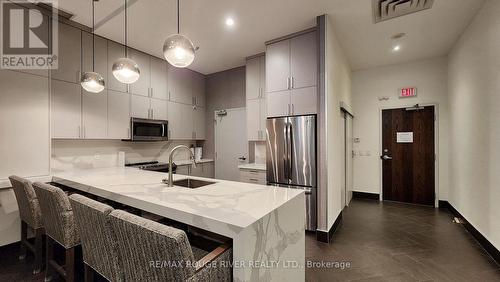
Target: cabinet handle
(288, 83)
(289, 109)
(292, 82)
(84, 133)
(293, 109)
(79, 132)
(151, 92)
(78, 76)
(169, 95)
(253, 179)
(128, 133)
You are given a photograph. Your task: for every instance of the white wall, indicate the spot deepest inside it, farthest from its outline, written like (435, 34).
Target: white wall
(338, 89)
(430, 78)
(474, 84)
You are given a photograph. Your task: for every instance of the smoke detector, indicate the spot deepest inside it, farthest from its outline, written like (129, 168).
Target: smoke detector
(387, 9)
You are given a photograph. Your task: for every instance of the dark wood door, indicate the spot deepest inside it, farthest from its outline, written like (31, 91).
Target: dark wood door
(408, 158)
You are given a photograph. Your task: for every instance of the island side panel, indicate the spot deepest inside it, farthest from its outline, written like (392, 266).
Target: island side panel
(273, 248)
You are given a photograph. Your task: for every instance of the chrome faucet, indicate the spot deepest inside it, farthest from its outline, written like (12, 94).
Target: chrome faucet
(171, 163)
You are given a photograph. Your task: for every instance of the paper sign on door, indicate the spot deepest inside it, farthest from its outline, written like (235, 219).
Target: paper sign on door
(404, 137)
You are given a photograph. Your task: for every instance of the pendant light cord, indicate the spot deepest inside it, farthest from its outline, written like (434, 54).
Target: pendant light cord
(178, 18)
(93, 36)
(126, 23)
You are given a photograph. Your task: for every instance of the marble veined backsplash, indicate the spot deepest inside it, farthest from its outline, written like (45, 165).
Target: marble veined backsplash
(82, 154)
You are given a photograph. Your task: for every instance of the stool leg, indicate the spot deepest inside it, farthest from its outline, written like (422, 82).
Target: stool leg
(49, 252)
(24, 239)
(89, 273)
(38, 250)
(70, 264)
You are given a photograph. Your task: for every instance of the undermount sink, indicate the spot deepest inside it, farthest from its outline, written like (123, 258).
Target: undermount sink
(192, 183)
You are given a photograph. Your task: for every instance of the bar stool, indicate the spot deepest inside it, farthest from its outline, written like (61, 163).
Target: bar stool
(98, 243)
(31, 216)
(60, 227)
(151, 251)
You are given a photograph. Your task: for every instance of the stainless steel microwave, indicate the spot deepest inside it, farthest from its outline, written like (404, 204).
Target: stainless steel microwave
(148, 130)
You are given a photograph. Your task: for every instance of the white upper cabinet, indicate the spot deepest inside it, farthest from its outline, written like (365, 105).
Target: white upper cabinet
(159, 87)
(253, 122)
(304, 61)
(291, 76)
(69, 54)
(199, 123)
(304, 101)
(252, 81)
(179, 85)
(118, 115)
(101, 55)
(94, 113)
(140, 106)
(115, 51)
(159, 109)
(66, 106)
(256, 98)
(142, 85)
(278, 66)
(181, 120)
(278, 104)
(198, 88)
(24, 123)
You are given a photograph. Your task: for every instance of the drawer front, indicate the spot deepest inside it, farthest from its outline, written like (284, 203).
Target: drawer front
(253, 176)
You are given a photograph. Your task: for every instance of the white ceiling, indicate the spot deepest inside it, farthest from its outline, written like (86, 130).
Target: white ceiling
(430, 33)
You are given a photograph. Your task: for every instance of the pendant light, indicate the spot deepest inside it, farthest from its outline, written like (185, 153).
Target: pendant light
(92, 81)
(125, 70)
(178, 49)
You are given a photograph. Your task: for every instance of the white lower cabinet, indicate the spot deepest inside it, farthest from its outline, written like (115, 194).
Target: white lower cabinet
(66, 105)
(253, 176)
(94, 112)
(118, 115)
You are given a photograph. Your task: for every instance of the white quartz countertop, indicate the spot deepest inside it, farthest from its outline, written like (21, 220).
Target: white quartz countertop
(253, 166)
(188, 162)
(225, 207)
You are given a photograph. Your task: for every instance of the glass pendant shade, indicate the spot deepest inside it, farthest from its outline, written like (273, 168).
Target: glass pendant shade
(92, 82)
(179, 50)
(126, 70)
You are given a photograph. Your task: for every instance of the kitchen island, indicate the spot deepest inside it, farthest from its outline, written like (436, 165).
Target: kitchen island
(266, 224)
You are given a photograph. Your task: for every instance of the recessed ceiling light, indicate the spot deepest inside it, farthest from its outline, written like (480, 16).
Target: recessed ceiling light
(396, 48)
(229, 21)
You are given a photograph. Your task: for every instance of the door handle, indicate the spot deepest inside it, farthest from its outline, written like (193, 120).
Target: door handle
(386, 158)
(242, 158)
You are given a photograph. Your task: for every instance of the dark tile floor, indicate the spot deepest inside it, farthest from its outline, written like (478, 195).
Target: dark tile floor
(380, 241)
(396, 242)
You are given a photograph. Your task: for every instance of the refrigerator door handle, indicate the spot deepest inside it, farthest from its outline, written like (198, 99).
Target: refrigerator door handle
(290, 155)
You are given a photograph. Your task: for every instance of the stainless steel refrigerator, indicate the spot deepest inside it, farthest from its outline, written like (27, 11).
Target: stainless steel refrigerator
(291, 158)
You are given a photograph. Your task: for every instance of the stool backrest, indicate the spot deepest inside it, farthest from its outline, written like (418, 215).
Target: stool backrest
(57, 215)
(29, 208)
(151, 251)
(98, 243)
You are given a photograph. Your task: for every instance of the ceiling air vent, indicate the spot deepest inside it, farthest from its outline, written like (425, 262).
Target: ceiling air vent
(387, 9)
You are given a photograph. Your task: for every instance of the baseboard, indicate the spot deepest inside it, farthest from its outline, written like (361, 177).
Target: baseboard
(365, 195)
(492, 250)
(326, 237)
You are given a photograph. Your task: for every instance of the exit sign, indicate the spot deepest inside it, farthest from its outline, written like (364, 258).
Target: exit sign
(408, 92)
